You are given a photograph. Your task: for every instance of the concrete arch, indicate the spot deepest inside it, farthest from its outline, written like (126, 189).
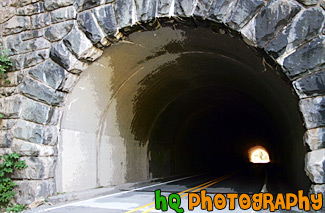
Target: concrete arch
(52, 43)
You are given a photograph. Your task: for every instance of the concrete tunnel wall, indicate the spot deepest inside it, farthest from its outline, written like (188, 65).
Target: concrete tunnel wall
(177, 101)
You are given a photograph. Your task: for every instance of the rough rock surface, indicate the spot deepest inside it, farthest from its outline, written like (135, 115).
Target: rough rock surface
(38, 168)
(242, 12)
(61, 55)
(303, 28)
(145, 10)
(315, 162)
(28, 190)
(184, 8)
(268, 23)
(77, 42)
(40, 92)
(106, 19)
(58, 31)
(306, 59)
(63, 14)
(91, 28)
(28, 131)
(49, 72)
(25, 148)
(316, 189)
(202, 8)
(219, 10)
(313, 110)
(315, 138)
(311, 85)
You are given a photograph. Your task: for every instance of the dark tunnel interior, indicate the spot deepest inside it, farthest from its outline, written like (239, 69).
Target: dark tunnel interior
(181, 100)
(177, 100)
(205, 109)
(211, 129)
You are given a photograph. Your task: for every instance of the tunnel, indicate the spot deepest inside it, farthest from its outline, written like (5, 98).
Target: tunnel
(174, 101)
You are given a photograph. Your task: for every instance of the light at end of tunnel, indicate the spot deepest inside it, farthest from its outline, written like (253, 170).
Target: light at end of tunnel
(258, 155)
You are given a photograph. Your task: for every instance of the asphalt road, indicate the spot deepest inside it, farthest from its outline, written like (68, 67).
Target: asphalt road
(249, 180)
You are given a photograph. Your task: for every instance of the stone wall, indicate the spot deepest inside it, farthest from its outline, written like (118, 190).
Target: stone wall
(51, 43)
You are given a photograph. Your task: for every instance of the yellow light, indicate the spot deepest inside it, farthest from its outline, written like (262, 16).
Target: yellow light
(258, 155)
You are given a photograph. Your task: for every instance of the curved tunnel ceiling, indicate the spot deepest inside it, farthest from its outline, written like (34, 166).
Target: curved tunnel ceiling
(182, 97)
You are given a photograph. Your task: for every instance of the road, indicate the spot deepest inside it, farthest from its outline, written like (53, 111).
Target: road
(249, 180)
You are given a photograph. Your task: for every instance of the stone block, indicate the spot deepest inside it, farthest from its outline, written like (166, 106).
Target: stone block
(124, 10)
(50, 135)
(313, 110)
(5, 139)
(28, 131)
(91, 28)
(31, 34)
(316, 189)
(16, 46)
(82, 5)
(15, 78)
(184, 8)
(202, 8)
(10, 106)
(31, 9)
(51, 5)
(242, 12)
(54, 116)
(145, 10)
(315, 138)
(40, 20)
(303, 28)
(17, 62)
(58, 31)
(49, 72)
(270, 21)
(68, 83)
(164, 8)
(40, 92)
(29, 191)
(63, 14)
(6, 124)
(77, 42)
(13, 44)
(61, 55)
(25, 148)
(8, 91)
(38, 168)
(106, 19)
(308, 2)
(16, 24)
(315, 161)
(4, 151)
(21, 3)
(6, 13)
(35, 111)
(308, 58)
(219, 10)
(36, 57)
(311, 85)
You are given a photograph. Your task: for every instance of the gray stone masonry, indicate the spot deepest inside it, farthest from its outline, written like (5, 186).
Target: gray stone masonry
(51, 42)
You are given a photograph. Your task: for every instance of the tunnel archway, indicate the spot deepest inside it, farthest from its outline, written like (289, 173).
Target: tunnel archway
(258, 154)
(166, 102)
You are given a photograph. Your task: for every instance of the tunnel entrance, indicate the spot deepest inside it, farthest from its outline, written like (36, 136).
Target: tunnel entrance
(258, 154)
(178, 100)
(211, 130)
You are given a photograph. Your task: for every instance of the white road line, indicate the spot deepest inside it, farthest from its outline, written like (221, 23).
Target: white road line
(119, 193)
